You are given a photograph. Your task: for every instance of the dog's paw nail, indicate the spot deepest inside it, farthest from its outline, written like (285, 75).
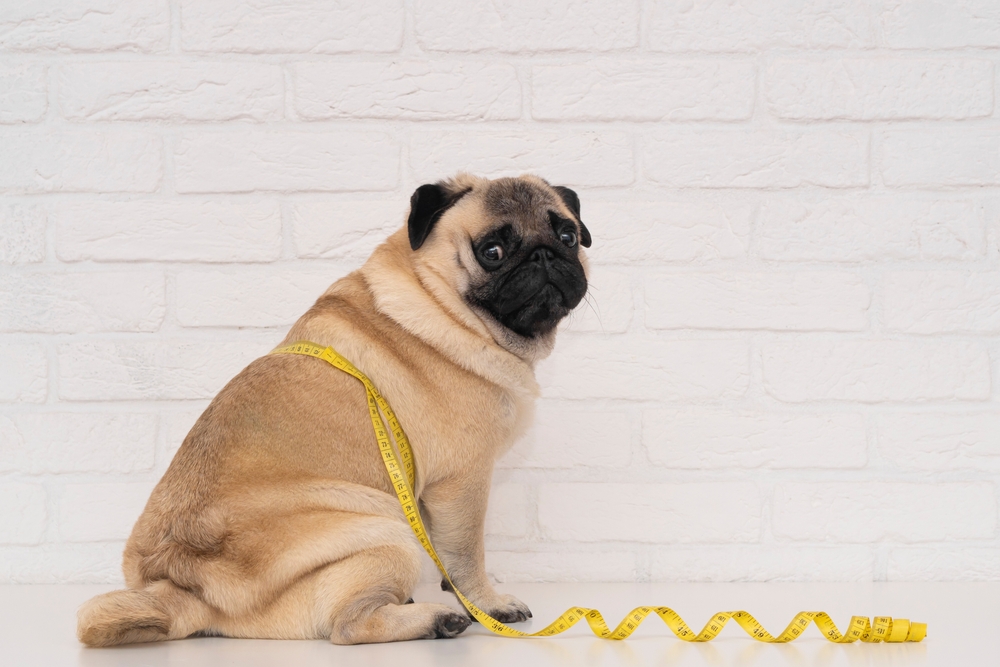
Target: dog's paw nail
(511, 610)
(511, 615)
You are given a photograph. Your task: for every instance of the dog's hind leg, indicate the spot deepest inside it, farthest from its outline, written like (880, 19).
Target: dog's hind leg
(358, 599)
(374, 607)
(158, 612)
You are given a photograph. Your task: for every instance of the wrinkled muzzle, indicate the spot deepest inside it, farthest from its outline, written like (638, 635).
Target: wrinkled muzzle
(534, 297)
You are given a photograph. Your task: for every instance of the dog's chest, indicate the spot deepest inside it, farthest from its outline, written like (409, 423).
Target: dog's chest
(470, 428)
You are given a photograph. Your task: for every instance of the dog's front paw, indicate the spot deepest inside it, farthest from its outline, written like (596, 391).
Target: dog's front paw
(504, 608)
(450, 624)
(509, 610)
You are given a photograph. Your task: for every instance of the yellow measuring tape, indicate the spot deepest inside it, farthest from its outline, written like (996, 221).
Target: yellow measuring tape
(882, 628)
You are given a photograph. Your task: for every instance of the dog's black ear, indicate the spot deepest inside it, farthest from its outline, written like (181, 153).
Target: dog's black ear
(572, 202)
(427, 205)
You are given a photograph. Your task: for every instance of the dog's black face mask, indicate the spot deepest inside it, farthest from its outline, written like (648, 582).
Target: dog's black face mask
(536, 277)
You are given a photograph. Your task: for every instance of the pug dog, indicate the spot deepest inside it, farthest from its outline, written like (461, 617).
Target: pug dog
(276, 518)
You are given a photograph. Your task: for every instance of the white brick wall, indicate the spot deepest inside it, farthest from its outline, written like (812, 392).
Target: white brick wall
(291, 161)
(81, 26)
(613, 90)
(416, 90)
(879, 89)
(80, 160)
(302, 26)
(185, 230)
(23, 96)
(751, 25)
(170, 91)
(784, 370)
(73, 302)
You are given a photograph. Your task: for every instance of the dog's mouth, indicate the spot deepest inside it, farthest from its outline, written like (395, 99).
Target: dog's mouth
(510, 301)
(539, 314)
(532, 301)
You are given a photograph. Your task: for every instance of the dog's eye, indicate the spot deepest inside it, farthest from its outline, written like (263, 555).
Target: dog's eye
(568, 237)
(493, 253)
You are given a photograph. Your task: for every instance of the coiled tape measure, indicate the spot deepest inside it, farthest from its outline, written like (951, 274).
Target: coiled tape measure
(401, 472)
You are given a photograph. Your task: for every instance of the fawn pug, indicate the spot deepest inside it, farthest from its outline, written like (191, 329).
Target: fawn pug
(276, 518)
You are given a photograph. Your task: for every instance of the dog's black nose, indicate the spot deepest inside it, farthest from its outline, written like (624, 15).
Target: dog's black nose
(542, 254)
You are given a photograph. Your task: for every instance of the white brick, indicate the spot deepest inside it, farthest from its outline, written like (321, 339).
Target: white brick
(22, 233)
(80, 161)
(42, 442)
(25, 373)
(523, 25)
(842, 229)
(939, 157)
(763, 563)
(873, 371)
(747, 25)
(553, 566)
(14, 455)
(937, 301)
(171, 91)
(569, 437)
(101, 512)
(76, 302)
(85, 25)
(507, 513)
(647, 231)
(915, 24)
(163, 369)
(608, 305)
(880, 89)
(204, 231)
(23, 93)
(645, 370)
(62, 564)
(249, 298)
(737, 158)
(344, 229)
(300, 26)
(671, 90)
(285, 161)
(944, 564)
(940, 441)
(24, 515)
(708, 439)
(873, 511)
(578, 158)
(413, 90)
(803, 301)
(656, 513)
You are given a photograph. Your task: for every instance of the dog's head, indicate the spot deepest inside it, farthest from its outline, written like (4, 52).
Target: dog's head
(510, 247)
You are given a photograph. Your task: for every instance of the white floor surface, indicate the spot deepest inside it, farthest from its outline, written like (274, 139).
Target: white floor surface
(37, 628)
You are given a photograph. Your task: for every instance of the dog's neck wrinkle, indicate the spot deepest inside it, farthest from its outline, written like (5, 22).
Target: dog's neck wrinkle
(416, 308)
(432, 281)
